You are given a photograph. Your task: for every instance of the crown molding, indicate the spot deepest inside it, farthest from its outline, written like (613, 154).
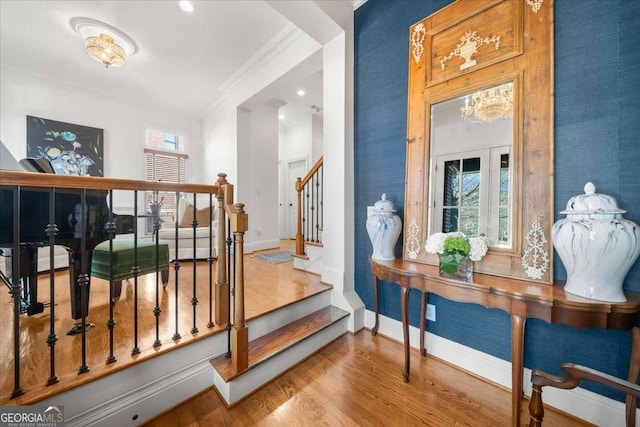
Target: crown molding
(266, 53)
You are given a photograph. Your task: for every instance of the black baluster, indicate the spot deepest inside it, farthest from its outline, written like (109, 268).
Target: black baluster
(16, 291)
(210, 261)
(156, 310)
(194, 299)
(135, 271)
(306, 215)
(176, 267)
(83, 279)
(321, 171)
(110, 228)
(52, 231)
(313, 207)
(317, 205)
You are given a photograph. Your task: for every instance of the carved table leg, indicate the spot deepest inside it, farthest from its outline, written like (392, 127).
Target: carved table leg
(376, 285)
(634, 370)
(517, 369)
(423, 321)
(405, 330)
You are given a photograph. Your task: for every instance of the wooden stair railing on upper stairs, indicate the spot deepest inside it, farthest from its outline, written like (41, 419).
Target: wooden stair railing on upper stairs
(310, 209)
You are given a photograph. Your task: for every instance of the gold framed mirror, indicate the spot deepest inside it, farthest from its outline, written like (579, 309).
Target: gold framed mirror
(480, 133)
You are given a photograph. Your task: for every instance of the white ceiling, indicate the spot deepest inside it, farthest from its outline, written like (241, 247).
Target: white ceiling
(184, 60)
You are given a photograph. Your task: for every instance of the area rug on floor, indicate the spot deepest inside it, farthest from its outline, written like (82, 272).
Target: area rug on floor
(276, 257)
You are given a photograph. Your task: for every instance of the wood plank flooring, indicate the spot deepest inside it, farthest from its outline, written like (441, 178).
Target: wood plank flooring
(267, 287)
(357, 381)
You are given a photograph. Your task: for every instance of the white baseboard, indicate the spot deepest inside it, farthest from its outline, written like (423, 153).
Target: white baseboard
(261, 245)
(584, 404)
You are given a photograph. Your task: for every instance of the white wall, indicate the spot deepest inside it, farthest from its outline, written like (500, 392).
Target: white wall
(263, 173)
(317, 138)
(124, 125)
(297, 140)
(225, 134)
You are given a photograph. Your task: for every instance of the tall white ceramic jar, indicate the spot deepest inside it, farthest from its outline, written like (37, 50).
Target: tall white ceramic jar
(384, 228)
(596, 245)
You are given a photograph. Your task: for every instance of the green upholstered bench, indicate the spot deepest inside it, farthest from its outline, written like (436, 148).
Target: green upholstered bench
(123, 262)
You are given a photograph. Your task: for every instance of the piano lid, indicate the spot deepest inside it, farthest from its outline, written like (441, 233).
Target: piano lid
(29, 164)
(7, 161)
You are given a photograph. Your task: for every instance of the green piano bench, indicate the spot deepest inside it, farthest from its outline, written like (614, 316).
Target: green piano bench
(123, 262)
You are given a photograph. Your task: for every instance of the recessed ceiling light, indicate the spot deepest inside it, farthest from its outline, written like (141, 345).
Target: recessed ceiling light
(281, 116)
(300, 92)
(186, 6)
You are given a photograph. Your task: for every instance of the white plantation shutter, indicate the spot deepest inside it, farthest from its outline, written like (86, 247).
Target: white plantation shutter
(165, 166)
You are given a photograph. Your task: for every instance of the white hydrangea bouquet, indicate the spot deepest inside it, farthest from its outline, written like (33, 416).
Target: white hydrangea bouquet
(457, 252)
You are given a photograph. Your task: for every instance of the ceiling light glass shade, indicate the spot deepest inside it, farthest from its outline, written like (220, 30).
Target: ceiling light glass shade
(104, 50)
(490, 104)
(186, 6)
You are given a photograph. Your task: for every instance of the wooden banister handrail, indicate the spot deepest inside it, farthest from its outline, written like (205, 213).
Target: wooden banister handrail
(301, 183)
(45, 180)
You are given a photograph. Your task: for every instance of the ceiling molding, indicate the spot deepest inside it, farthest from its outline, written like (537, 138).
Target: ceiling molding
(270, 49)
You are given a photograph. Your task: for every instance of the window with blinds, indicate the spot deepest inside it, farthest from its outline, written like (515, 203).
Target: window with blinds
(165, 161)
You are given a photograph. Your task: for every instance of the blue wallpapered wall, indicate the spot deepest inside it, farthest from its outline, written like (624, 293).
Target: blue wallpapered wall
(597, 138)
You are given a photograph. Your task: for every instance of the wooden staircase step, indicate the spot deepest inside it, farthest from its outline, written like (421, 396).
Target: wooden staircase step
(273, 343)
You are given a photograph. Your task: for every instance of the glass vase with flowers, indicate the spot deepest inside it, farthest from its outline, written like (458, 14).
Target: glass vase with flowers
(456, 253)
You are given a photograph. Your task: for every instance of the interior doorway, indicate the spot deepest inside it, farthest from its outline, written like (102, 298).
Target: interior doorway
(293, 169)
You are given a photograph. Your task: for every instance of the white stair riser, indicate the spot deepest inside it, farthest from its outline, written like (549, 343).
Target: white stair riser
(235, 390)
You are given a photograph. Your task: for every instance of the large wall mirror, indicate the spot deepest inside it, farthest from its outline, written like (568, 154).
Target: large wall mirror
(480, 133)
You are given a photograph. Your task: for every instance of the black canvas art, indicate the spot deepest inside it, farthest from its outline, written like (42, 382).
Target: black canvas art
(71, 149)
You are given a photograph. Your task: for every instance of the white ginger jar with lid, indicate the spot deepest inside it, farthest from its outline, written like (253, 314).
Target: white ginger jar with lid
(596, 245)
(384, 228)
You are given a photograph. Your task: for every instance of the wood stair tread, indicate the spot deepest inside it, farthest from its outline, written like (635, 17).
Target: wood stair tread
(279, 340)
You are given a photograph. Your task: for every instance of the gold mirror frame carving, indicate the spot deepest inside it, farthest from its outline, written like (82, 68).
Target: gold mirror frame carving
(524, 55)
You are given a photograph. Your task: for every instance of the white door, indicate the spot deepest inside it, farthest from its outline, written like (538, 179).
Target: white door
(295, 169)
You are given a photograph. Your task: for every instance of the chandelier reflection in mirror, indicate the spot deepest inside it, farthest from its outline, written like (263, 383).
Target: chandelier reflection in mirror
(488, 105)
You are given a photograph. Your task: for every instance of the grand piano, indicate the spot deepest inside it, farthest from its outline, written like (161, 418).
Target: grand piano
(79, 229)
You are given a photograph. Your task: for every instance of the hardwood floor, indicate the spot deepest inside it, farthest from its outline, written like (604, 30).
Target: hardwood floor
(267, 287)
(357, 381)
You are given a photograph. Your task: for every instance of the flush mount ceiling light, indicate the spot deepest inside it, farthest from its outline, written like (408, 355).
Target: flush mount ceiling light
(300, 92)
(186, 5)
(103, 42)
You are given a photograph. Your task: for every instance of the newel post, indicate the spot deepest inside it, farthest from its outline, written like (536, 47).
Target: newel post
(222, 282)
(240, 331)
(299, 236)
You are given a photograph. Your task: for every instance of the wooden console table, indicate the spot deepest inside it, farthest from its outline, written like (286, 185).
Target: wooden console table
(521, 299)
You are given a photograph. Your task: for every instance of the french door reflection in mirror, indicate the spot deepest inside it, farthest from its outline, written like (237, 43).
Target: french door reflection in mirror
(471, 147)
(473, 195)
